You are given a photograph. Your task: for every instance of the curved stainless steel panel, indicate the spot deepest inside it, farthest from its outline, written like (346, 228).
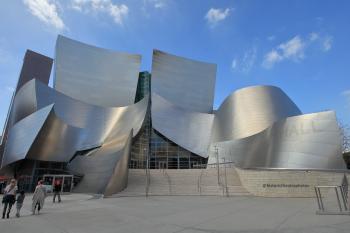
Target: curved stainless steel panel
(190, 130)
(94, 75)
(98, 122)
(24, 103)
(100, 169)
(184, 82)
(57, 141)
(119, 178)
(22, 136)
(310, 141)
(73, 126)
(251, 110)
(36, 66)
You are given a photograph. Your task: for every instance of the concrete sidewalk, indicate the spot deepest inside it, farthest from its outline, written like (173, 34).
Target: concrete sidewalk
(168, 214)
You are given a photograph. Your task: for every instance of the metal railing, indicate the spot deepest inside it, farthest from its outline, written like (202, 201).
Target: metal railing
(163, 166)
(199, 183)
(341, 192)
(148, 178)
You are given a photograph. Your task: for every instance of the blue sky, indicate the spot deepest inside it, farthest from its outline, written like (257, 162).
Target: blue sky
(300, 46)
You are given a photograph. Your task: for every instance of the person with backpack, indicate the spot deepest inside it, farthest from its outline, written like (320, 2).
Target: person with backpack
(9, 198)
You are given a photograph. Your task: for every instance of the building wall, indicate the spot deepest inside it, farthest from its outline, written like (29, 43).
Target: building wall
(287, 183)
(94, 75)
(163, 152)
(186, 83)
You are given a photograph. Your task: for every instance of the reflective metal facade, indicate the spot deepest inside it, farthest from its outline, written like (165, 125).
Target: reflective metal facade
(251, 110)
(188, 129)
(89, 120)
(35, 66)
(105, 170)
(94, 75)
(184, 82)
(310, 141)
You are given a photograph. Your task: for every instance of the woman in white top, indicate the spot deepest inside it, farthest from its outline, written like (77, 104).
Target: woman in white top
(9, 198)
(38, 197)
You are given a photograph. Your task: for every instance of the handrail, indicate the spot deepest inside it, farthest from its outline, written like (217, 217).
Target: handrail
(226, 188)
(343, 206)
(199, 183)
(169, 180)
(141, 164)
(148, 178)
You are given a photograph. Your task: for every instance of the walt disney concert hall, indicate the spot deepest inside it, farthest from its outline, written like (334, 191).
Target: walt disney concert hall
(102, 119)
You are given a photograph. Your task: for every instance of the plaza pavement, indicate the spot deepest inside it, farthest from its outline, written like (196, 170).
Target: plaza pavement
(80, 213)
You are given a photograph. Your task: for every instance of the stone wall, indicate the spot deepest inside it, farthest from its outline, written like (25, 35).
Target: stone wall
(287, 183)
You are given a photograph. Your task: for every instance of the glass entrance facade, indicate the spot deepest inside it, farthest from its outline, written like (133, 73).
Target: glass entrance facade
(163, 153)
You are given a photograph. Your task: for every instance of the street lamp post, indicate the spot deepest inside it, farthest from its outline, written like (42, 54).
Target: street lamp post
(217, 162)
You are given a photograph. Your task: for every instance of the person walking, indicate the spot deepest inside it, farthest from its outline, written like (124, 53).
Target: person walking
(9, 198)
(19, 203)
(57, 190)
(38, 197)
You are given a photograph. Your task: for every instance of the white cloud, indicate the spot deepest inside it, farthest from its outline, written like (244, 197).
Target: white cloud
(313, 36)
(346, 94)
(271, 58)
(46, 11)
(117, 12)
(10, 89)
(234, 63)
(156, 3)
(246, 63)
(271, 38)
(327, 43)
(214, 16)
(292, 49)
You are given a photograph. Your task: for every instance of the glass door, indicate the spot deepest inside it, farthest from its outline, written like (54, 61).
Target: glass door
(67, 184)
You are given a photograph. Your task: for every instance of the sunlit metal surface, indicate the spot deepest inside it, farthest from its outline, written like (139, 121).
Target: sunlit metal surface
(94, 75)
(92, 109)
(190, 130)
(98, 122)
(22, 136)
(186, 83)
(310, 141)
(119, 178)
(250, 110)
(71, 127)
(36, 66)
(106, 170)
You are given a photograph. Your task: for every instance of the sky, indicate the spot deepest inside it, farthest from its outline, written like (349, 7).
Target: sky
(301, 46)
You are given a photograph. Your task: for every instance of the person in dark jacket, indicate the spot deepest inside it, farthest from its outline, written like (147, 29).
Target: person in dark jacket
(9, 198)
(57, 190)
(19, 203)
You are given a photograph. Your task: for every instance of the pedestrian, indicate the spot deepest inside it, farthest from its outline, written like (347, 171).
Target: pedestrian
(9, 198)
(38, 197)
(57, 190)
(19, 203)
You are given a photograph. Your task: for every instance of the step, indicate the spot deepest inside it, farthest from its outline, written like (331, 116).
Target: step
(183, 182)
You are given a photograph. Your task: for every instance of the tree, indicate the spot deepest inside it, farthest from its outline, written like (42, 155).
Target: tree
(345, 134)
